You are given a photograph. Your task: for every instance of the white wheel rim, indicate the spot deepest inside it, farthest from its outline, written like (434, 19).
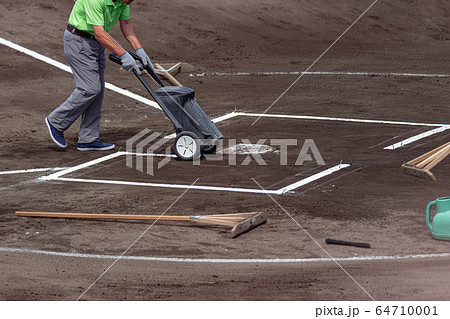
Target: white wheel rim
(186, 146)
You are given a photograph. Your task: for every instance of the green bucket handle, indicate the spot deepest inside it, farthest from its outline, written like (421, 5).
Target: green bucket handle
(428, 213)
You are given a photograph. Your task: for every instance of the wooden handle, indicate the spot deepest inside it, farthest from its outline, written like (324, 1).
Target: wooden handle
(426, 155)
(169, 77)
(239, 222)
(102, 216)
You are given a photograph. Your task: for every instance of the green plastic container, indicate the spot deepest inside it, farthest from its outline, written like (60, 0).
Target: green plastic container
(440, 227)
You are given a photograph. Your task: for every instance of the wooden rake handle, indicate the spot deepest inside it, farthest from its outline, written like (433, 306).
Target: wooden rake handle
(240, 223)
(224, 219)
(103, 216)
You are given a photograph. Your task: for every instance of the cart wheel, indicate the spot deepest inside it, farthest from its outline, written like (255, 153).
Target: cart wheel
(187, 146)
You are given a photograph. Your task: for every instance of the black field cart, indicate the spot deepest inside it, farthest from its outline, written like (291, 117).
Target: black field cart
(196, 134)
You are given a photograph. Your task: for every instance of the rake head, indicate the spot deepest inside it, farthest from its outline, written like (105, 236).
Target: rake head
(417, 171)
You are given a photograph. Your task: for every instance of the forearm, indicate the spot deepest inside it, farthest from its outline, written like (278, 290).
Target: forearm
(107, 41)
(130, 33)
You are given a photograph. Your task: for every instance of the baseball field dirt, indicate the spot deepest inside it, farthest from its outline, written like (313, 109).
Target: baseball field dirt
(384, 82)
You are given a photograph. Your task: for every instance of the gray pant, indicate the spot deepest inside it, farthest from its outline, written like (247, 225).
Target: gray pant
(87, 61)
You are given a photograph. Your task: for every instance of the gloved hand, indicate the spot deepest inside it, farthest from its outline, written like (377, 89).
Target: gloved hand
(128, 63)
(145, 59)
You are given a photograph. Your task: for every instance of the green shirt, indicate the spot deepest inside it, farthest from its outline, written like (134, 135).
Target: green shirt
(86, 13)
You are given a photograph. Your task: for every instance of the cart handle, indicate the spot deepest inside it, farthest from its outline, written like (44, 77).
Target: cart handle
(117, 60)
(155, 96)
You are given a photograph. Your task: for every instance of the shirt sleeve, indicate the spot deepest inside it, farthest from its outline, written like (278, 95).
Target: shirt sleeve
(125, 13)
(95, 12)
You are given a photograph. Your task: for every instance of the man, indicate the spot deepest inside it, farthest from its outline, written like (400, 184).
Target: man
(85, 41)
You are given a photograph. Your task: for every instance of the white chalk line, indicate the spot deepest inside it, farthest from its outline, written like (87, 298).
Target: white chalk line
(440, 127)
(32, 170)
(417, 137)
(280, 191)
(219, 260)
(289, 188)
(81, 166)
(338, 119)
(58, 176)
(132, 95)
(149, 154)
(312, 178)
(225, 117)
(387, 74)
(66, 68)
(163, 185)
(69, 170)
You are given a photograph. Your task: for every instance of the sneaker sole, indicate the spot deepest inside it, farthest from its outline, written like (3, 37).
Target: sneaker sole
(51, 135)
(96, 148)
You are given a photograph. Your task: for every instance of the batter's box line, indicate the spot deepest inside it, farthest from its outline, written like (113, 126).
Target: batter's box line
(58, 176)
(439, 128)
(417, 137)
(32, 170)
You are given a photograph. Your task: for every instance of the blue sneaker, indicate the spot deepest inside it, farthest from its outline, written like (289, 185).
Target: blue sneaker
(57, 136)
(95, 146)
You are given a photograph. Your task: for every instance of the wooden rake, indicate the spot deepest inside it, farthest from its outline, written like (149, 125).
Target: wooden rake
(239, 223)
(168, 71)
(422, 165)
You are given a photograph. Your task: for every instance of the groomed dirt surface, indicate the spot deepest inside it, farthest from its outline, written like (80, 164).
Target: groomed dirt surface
(371, 201)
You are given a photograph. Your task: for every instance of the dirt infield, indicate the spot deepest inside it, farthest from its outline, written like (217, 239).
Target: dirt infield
(386, 80)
